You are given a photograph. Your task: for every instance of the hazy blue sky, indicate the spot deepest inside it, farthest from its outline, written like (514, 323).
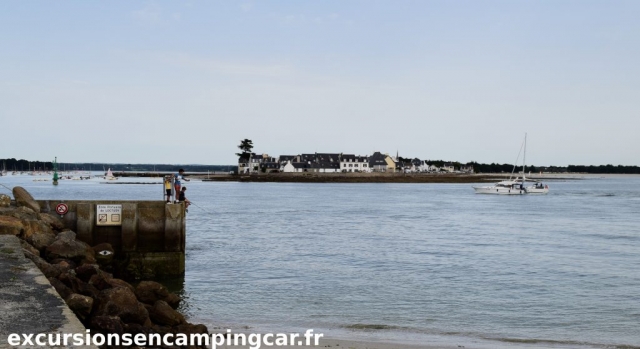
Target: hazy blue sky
(174, 82)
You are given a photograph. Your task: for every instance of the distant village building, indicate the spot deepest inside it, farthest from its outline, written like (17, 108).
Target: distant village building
(466, 168)
(448, 167)
(243, 163)
(339, 162)
(253, 163)
(378, 162)
(353, 163)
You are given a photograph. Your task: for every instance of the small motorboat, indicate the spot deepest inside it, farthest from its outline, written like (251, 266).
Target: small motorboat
(538, 188)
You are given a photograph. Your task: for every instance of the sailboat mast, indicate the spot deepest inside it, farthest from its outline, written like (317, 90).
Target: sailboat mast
(524, 158)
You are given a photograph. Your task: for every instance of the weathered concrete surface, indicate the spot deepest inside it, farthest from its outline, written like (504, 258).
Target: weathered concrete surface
(150, 242)
(28, 302)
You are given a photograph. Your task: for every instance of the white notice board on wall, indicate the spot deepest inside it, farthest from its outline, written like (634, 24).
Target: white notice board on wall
(108, 214)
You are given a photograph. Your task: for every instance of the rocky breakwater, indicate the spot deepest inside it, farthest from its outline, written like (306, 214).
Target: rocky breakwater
(79, 273)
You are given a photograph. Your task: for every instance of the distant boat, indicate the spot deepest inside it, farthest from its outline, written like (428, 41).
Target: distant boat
(509, 187)
(516, 186)
(109, 176)
(538, 188)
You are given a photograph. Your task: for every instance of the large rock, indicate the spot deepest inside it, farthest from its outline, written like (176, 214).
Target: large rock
(60, 287)
(56, 270)
(81, 305)
(24, 213)
(107, 324)
(5, 200)
(28, 247)
(86, 271)
(163, 314)
(150, 291)
(41, 240)
(23, 198)
(135, 329)
(188, 328)
(10, 225)
(64, 265)
(66, 235)
(78, 286)
(75, 250)
(67, 263)
(120, 283)
(47, 269)
(104, 254)
(54, 221)
(100, 280)
(121, 302)
(35, 227)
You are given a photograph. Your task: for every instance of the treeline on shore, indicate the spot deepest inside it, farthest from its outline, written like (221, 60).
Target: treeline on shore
(506, 168)
(621, 169)
(25, 165)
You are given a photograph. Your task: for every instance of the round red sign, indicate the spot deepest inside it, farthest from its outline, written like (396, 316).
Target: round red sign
(62, 208)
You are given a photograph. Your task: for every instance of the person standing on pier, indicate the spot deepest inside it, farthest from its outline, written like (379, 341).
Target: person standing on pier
(167, 187)
(178, 177)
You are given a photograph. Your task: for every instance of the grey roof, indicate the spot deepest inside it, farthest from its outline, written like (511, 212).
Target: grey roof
(377, 159)
(330, 157)
(284, 158)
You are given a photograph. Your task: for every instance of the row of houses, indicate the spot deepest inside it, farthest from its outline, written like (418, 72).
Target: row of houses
(339, 162)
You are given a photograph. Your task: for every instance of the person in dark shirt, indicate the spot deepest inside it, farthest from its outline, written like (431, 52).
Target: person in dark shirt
(183, 198)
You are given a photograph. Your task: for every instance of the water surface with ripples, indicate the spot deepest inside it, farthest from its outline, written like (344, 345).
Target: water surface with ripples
(415, 263)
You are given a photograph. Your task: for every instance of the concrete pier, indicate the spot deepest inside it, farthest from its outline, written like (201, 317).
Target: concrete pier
(148, 239)
(28, 302)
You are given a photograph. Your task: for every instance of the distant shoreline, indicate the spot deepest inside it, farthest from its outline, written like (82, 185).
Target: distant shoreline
(371, 178)
(375, 177)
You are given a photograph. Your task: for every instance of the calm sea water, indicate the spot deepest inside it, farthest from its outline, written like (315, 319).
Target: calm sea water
(414, 263)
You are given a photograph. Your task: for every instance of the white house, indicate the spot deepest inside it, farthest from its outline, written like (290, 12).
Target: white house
(352, 163)
(448, 167)
(243, 164)
(283, 159)
(288, 167)
(423, 167)
(466, 168)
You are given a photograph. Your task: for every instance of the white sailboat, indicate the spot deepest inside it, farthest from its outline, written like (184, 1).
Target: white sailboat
(509, 187)
(538, 187)
(517, 185)
(109, 176)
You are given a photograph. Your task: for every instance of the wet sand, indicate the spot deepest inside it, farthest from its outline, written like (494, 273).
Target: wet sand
(352, 344)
